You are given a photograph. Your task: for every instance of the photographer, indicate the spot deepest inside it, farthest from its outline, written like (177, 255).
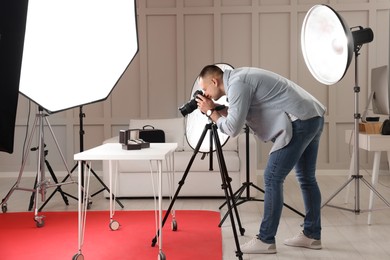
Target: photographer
(277, 110)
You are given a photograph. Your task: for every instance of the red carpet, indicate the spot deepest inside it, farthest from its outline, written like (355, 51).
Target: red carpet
(198, 236)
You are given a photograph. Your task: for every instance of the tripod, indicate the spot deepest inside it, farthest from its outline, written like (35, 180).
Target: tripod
(356, 177)
(248, 184)
(225, 185)
(58, 189)
(81, 135)
(41, 183)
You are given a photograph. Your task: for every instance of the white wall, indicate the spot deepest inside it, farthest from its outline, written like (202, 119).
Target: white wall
(178, 37)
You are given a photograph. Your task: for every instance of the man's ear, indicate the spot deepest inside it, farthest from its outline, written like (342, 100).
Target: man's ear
(215, 81)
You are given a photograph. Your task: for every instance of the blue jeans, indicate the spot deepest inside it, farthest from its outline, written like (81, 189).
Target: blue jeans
(301, 152)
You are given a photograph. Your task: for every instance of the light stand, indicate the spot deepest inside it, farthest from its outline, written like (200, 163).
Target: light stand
(356, 177)
(41, 183)
(81, 135)
(327, 46)
(58, 189)
(248, 184)
(225, 185)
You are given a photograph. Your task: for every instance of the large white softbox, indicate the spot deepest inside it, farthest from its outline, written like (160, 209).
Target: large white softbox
(75, 51)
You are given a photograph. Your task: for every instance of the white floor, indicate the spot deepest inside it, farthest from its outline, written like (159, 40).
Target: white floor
(345, 235)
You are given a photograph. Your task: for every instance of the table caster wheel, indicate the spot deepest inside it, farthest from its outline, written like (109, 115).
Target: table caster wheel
(39, 220)
(174, 225)
(4, 208)
(78, 256)
(114, 225)
(161, 256)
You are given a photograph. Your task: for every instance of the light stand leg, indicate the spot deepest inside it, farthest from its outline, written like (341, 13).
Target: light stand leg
(41, 184)
(356, 177)
(40, 187)
(4, 205)
(43, 161)
(225, 185)
(58, 189)
(247, 184)
(81, 135)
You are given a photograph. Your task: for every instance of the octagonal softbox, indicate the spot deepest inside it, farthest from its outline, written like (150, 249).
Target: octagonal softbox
(75, 51)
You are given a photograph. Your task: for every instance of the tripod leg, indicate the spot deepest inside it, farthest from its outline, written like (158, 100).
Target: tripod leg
(58, 188)
(228, 191)
(225, 174)
(181, 183)
(25, 157)
(40, 182)
(32, 198)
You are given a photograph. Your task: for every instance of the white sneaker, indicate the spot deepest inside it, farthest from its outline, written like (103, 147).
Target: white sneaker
(256, 246)
(301, 240)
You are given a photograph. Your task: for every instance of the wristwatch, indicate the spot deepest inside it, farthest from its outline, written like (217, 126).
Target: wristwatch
(209, 112)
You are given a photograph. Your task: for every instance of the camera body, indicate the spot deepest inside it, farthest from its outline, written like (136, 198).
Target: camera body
(191, 105)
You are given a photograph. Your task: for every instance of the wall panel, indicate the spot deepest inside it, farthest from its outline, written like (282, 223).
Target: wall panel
(161, 65)
(126, 97)
(236, 39)
(198, 47)
(274, 42)
(379, 46)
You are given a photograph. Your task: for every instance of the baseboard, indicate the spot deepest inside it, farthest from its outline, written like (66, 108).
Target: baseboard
(59, 174)
(338, 172)
(320, 172)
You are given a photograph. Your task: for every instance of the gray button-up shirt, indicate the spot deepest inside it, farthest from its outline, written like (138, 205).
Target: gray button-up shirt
(263, 100)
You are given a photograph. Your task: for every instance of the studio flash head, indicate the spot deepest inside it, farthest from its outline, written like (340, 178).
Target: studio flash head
(191, 105)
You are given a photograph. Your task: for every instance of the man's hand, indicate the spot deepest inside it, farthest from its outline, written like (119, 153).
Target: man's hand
(204, 103)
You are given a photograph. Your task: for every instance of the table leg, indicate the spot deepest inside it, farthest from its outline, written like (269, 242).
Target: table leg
(80, 217)
(114, 225)
(82, 211)
(374, 181)
(159, 165)
(110, 186)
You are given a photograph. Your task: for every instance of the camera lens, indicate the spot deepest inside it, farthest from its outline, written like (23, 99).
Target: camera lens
(191, 105)
(188, 108)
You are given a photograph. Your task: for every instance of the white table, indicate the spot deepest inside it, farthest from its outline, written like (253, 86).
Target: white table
(113, 152)
(376, 143)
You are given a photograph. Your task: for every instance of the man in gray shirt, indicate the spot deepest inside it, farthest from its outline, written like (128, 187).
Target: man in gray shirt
(277, 110)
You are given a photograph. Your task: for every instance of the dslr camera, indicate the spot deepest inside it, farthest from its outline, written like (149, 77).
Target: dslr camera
(191, 105)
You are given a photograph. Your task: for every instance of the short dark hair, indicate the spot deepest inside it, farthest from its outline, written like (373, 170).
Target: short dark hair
(210, 70)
